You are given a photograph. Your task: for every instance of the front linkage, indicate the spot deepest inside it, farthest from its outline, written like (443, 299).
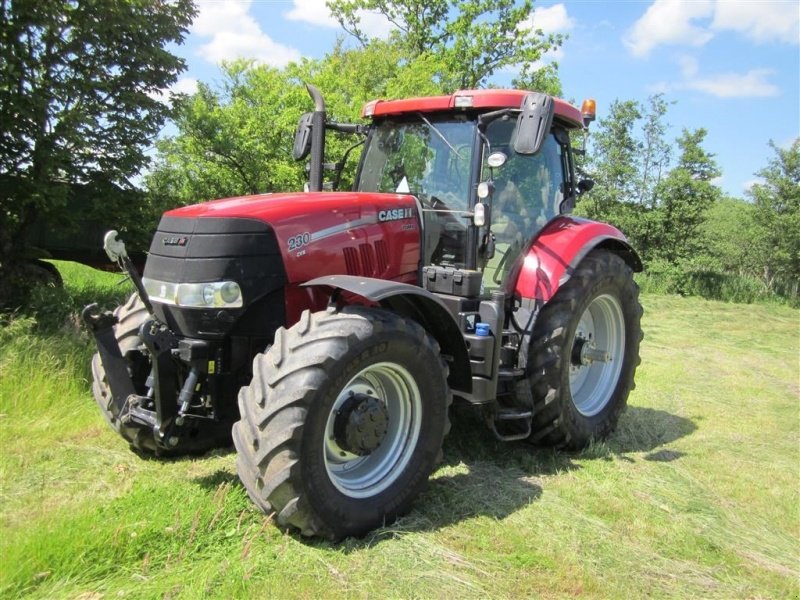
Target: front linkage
(166, 408)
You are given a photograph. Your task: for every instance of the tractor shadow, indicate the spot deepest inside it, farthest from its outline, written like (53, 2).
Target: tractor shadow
(483, 477)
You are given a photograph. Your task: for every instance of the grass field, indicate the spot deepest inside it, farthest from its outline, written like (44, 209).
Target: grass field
(696, 495)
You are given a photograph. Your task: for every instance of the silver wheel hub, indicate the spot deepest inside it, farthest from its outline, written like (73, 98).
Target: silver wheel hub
(596, 355)
(372, 430)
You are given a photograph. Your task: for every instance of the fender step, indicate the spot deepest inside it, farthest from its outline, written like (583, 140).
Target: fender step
(509, 425)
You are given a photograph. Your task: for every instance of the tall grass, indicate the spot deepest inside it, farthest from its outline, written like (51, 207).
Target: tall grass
(696, 495)
(688, 280)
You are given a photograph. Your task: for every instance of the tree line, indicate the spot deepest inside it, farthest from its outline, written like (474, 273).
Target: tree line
(693, 239)
(81, 84)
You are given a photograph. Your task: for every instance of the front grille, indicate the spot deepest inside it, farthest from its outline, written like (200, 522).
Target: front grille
(196, 250)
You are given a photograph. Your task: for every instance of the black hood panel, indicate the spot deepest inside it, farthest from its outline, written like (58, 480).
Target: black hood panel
(197, 250)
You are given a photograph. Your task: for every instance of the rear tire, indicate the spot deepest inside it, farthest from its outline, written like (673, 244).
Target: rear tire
(301, 418)
(578, 393)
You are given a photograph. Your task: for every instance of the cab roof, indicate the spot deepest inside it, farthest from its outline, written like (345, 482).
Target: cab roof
(463, 100)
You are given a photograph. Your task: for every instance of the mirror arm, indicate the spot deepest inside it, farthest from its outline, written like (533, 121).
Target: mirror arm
(348, 128)
(486, 118)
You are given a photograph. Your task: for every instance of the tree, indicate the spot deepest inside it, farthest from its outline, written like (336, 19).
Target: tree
(78, 101)
(614, 162)
(777, 202)
(474, 39)
(539, 78)
(614, 158)
(231, 141)
(655, 150)
(733, 241)
(683, 198)
(237, 139)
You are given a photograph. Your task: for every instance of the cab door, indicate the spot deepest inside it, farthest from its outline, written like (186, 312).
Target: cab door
(529, 191)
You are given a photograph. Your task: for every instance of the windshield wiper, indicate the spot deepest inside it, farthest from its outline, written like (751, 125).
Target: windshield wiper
(439, 133)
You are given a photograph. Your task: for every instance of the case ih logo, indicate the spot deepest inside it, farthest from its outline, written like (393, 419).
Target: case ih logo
(395, 214)
(174, 241)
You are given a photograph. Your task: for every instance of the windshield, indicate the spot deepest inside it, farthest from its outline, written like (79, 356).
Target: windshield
(428, 158)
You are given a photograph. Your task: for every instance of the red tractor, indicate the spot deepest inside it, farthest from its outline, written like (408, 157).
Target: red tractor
(330, 331)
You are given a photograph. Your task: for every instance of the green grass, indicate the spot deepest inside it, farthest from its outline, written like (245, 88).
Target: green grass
(696, 495)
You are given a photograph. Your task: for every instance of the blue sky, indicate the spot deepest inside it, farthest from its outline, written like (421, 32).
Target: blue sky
(731, 66)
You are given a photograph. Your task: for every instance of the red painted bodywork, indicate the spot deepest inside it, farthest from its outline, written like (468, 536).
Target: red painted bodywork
(482, 100)
(334, 233)
(557, 250)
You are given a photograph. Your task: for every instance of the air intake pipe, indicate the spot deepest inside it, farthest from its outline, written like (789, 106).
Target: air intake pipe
(317, 139)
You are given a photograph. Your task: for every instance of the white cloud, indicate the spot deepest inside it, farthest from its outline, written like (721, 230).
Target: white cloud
(553, 19)
(669, 22)
(316, 12)
(694, 23)
(184, 85)
(313, 12)
(234, 33)
(764, 21)
(752, 84)
(748, 185)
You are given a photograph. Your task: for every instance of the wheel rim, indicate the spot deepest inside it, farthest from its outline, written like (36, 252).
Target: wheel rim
(364, 476)
(596, 355)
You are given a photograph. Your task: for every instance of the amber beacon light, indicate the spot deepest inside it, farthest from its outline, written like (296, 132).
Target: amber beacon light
(588, 110)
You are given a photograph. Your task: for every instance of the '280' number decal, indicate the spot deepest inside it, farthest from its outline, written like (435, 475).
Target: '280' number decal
(298, 241)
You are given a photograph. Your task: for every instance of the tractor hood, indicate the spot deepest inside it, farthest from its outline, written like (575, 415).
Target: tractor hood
(322, 233)
(276, 209)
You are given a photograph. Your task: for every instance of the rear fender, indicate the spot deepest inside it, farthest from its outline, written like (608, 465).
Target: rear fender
(552, 256)
(419, 305)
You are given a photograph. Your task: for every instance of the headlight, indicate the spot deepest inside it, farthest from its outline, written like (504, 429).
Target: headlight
(217, 294)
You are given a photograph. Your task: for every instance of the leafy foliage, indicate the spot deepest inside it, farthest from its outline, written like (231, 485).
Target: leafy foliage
(777, 202)
(78, 101)
(232, 141)
(692, 240)
(237, 139)
(471, 39)
(682, 200)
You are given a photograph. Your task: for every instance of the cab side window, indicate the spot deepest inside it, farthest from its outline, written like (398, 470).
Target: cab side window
(529, 189)
(529, 192)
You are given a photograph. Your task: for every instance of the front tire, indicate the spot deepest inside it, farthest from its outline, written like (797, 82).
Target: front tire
(585, 351)
(343, 421)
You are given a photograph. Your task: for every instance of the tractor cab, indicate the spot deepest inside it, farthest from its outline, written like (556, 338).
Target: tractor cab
(489, 168)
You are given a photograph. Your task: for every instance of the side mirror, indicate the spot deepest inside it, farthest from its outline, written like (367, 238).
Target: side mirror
(584, 185)
(302, 137)
(533, 123)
